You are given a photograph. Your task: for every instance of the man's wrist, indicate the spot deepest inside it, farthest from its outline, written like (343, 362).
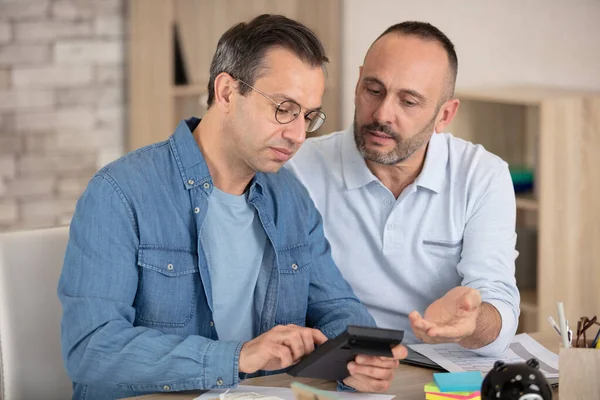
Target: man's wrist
(487, 328)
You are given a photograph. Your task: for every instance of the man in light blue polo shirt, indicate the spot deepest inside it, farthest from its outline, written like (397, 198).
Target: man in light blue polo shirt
(421, 224)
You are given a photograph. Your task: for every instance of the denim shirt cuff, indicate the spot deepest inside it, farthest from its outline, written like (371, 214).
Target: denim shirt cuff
(342, 387)
(221, 364)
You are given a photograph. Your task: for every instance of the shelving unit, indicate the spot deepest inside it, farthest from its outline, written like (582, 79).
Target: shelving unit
(557, 133)
(156, 104)
(527, 202)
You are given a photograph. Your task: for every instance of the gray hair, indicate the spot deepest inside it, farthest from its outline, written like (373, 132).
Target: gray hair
(241, 50)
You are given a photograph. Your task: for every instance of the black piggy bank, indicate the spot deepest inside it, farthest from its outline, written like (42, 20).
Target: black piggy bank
(519, 381)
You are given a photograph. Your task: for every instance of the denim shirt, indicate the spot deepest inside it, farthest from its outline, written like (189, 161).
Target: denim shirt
(135, 286)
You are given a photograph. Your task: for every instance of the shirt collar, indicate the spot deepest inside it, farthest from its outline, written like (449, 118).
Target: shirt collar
(192, 165)
(357, 173)
(433, 174)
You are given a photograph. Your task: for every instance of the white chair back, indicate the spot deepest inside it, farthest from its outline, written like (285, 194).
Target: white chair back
(31, 365)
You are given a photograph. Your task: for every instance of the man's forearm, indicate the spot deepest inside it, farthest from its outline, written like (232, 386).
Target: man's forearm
(487, 329)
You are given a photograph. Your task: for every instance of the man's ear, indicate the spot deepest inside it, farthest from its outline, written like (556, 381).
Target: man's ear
(225, 89)
(446, 114)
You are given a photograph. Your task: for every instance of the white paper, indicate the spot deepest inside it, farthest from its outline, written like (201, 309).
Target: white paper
(454, 358)
(287, 394)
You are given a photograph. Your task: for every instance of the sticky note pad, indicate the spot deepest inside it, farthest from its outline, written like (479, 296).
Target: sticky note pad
(447, 396)
(441, 396)
(431, 387)
(432, 392)
(458, 381)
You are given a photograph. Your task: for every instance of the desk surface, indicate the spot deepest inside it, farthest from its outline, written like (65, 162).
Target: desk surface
(407, 385)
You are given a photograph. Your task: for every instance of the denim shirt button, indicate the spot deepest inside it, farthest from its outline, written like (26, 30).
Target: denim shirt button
(206, 185)
(294, 266)
(219, 381)
(170, 267)
(212, 323)
(196, 210)
(166, 387)
(190, 181)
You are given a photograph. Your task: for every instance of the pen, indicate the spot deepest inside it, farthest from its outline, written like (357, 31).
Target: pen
(553, 323)
(596, 343)
(563, 324)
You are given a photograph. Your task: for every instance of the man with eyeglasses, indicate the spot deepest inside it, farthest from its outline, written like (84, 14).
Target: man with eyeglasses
(421, 224)
(195, 262)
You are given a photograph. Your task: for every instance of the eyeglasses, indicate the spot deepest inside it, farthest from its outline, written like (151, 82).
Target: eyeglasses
(288, 110)
(583, 325)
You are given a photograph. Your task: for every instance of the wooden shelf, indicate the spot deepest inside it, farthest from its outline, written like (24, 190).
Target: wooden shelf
(527, 202)
(188, 90)
(529, 302)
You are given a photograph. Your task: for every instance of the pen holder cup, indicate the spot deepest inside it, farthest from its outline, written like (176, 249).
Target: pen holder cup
(579, 372)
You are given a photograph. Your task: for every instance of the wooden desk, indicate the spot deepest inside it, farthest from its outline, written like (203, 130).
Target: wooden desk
(407, 385)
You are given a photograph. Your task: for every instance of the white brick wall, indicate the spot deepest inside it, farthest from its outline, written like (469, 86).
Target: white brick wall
(66, 165)
(24, 9)
(7, 123)
(48, 31)
(72, 10)
(70, 187)
(41, 209)
(9, 145)
(9, 212)
(85, 9)
(109, 26)
(88, 52)
(72, 119)
(34, 99)
(110, 117)
(4, 79)
(30, 188)
(109, 75)
(8, 165)
(62, 112)
(17, 54)
(5, 33)
(102, 96)
(53, 76)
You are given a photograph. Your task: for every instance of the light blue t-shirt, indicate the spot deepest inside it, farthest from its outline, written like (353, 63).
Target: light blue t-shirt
(234, 242)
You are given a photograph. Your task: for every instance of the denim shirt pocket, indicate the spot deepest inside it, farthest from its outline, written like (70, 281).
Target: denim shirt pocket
(294, 282)
(168, 279)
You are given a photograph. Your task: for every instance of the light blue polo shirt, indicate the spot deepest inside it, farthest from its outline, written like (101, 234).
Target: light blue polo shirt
(233, 240)
(455, 225)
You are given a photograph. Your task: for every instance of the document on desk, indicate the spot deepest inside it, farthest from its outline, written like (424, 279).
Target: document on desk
(454, 358)
(286, 394)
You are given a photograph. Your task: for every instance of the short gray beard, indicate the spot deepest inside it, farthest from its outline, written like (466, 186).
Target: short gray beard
(404, 147)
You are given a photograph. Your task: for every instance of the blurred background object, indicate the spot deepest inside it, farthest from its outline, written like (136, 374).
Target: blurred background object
(30, 315)
(172, 45)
